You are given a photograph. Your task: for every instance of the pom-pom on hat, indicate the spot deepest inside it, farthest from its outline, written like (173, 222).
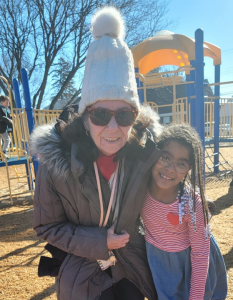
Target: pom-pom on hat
(109, 69)
(107, 21)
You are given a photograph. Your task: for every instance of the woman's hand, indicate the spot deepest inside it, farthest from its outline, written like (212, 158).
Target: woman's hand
(116, 241)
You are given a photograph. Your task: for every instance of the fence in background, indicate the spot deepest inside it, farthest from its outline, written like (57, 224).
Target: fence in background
(45, 116)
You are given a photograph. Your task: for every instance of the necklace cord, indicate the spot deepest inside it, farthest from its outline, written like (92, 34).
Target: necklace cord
(101, 224)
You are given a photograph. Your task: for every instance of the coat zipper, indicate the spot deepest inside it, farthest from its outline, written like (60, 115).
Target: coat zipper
(138, 275)
(92, 275)
(59, 277)
(97, 268)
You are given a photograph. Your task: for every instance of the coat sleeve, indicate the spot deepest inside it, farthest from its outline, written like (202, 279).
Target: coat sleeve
(52, 225)
(3, 118)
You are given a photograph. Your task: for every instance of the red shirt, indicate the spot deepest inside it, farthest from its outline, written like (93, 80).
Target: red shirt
(106, 165)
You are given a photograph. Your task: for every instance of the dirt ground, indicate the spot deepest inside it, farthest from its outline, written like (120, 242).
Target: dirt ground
(20, 249)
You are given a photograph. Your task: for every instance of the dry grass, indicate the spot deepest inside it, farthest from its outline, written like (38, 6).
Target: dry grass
(20, 249)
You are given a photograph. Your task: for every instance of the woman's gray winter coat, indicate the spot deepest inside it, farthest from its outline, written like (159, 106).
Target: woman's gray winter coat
(67, 214)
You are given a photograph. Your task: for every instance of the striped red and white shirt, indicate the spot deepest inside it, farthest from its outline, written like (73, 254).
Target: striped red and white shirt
(162, 230)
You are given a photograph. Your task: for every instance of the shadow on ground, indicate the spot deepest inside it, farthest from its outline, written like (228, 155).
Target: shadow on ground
(224, 201)
(17, 223)
(44, 294)
(17, 201)
(214, 182)
(228, 258)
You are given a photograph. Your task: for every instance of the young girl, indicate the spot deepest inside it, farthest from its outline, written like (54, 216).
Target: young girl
(184, 258)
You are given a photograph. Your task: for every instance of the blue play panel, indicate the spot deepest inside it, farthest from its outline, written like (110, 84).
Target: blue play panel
(14, 161)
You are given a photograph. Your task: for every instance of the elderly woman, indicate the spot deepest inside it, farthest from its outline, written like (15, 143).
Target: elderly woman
(93, 176)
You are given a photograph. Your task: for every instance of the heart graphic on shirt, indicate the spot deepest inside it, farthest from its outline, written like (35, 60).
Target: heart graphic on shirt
(173, 219)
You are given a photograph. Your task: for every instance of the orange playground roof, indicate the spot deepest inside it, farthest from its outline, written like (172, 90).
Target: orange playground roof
(168, 48)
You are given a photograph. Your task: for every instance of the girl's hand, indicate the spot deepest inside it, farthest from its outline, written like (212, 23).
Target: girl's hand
(116, 241)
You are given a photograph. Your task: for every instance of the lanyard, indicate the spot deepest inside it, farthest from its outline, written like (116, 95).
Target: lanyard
(101, 224)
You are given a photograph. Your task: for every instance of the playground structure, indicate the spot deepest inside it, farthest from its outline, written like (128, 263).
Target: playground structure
(207, 114)
(211, 116)
(24, 120)
(18, 151)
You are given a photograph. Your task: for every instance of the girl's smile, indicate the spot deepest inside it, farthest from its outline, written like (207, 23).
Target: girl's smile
(165, 177)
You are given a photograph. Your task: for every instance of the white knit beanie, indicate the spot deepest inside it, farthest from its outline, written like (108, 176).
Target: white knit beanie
(109, 69)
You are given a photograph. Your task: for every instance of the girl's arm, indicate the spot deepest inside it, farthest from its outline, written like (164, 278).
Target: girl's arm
(200, 248)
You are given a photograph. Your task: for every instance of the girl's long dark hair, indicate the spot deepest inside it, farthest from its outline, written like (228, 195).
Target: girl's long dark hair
(188, 137)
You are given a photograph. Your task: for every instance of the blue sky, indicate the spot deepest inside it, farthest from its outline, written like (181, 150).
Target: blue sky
(215, 17)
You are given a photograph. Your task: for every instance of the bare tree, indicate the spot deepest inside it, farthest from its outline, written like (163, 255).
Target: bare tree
(15, 30)
(36, 33)
(59, 76)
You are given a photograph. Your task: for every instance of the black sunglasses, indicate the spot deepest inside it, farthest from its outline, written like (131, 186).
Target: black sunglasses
(102, 116)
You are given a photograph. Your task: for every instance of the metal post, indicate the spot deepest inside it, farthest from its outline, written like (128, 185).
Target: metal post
(29, 111)
(216, 119)
(192, 93)
(187, 87)
(17, 93)
(199, 86)
(17, 99)
(27, 99)
(139, 84)
(187, 92)
(141, 93)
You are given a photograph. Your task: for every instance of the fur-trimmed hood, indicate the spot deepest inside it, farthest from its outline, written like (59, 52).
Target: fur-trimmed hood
(47, 143)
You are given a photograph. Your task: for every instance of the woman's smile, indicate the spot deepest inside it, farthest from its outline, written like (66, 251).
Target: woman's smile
(111, 140)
